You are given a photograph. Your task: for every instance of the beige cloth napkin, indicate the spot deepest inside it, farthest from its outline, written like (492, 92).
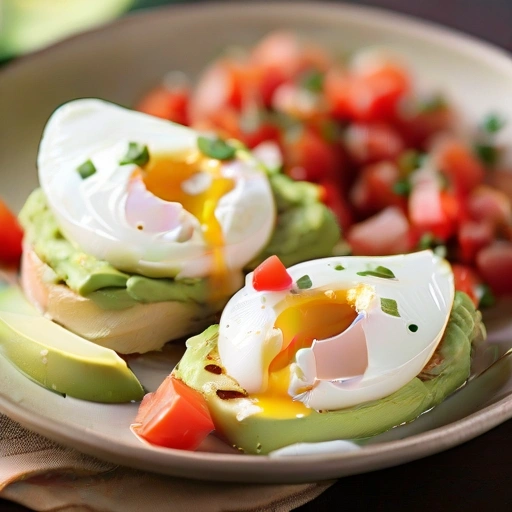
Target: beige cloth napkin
(45, 476)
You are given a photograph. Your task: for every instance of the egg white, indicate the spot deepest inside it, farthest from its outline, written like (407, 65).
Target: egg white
(92, 212)
(423, 290)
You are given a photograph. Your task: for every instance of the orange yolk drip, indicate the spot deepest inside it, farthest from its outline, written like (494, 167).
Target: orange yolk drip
(165, 176)
(306, 317)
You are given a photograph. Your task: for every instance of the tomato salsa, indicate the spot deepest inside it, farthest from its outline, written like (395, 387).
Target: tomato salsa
(389, 159)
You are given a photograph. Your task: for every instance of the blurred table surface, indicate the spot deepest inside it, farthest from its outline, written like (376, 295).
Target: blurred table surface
(476, 475)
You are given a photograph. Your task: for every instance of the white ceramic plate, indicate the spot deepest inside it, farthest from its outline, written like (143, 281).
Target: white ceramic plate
(119, 63)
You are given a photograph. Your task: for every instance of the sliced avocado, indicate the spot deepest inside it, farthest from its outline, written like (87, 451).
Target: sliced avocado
(234, 414)
(59, 360)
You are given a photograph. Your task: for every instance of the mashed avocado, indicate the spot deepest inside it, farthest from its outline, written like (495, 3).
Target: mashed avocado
(234, 415)
(305, 229)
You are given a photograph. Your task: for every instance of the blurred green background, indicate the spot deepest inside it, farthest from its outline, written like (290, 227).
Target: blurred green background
(28, 25)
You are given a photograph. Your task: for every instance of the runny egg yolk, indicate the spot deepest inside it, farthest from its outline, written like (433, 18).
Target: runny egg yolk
(166, 176)
(306, 317)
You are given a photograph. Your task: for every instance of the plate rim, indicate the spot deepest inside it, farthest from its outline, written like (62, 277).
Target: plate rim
(283, 470)
(241, 467)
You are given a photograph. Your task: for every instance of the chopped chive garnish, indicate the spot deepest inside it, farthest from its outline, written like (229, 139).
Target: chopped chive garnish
(216, 148)
(313, 81)
(380, 271)
(137, 154)
(304, 283)
(86, 169)
(402, 187)
(389, 306)
(413, 327)
(339, 267)
(493, 123)
(427, 241)
(487, 298)
(488, 154)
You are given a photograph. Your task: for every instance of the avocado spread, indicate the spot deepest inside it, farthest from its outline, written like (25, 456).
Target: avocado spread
(241, 422)
(305, 229)
(93, 278)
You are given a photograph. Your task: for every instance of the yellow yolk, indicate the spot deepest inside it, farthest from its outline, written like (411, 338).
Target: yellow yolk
(165, 177)
(306, 317)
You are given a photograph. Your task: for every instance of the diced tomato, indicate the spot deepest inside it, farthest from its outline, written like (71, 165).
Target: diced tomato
(335, 200)
(310, 157)
(372, 142)
(277, 57)
(167, 104)
(278, 50)
(11, 236)
(501, 179)
(338, 86)
(495, 266)
(432, 210)
(297, 102)
(174, 416)
(262, 133)
(225, 84)
(281, 57)
(418, 127)
(271, 276)
(386, 83)
(225, 122)
(387, 232)
(212, 93)
(370, 94)
(467, 281)
(373, 190)
(453, 158)
(489, 204)
(472, 237)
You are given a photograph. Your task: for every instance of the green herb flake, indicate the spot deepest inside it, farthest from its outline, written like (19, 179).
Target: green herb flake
(304, 283)
(137, 154)
(380, 271)
(444, 181)
(389, 306)
(330, 131)
(409, 161)
(339, 267)
(493, 123)
(413, 327)
(313, 81)
(487, 298)
(402, 187)
(487, 153)
(433, 103)
(86, 169)
(216, 148)
(427, 241)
